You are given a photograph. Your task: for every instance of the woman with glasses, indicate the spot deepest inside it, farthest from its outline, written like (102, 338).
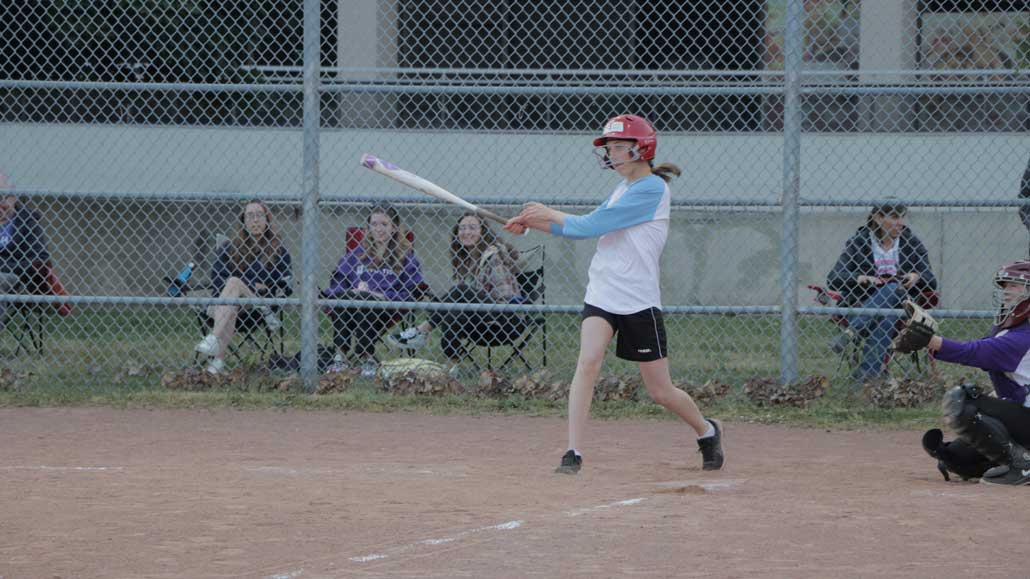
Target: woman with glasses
(254, 264)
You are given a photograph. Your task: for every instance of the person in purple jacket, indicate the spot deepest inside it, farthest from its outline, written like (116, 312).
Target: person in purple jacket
(382, 267)
(994, 432)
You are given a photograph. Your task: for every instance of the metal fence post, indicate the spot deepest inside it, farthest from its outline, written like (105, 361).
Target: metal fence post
(793, 42)
(309, 234)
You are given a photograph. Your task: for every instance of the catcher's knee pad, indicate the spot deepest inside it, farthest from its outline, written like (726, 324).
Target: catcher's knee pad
(958, 409)
(988, 435)
(956, 456)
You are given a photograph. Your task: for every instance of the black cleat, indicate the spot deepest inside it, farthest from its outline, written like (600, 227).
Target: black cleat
(570, 463)
(711, 448)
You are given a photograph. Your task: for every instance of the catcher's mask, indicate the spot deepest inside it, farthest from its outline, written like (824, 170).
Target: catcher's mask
(1012, 310)
(627, 128)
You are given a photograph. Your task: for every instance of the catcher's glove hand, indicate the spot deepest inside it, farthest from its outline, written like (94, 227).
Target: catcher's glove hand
(917, 331)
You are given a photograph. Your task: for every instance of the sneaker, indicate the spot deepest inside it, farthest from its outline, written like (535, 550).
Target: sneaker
(216, 366)
(570, 463)
(369, 368)
(272, 321)
(1018, 471)
(711, 448)
(841, 342)
(996, 471)
(339, 365)
(409, 339)
(208, 346)
(1013, 476)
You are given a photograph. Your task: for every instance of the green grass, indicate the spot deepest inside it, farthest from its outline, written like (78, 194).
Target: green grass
(832, 411)
(116, 357)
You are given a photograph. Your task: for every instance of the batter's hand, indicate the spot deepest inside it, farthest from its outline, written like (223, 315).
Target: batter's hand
(536, 215)
(515, 226)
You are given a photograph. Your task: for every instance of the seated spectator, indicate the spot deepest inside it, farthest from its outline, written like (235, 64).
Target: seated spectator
(484, 272)
(22, 244)
(382, 267)
(883, 264)
(253, 264)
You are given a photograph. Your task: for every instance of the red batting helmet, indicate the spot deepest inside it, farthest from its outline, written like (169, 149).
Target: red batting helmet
(1012, 314)
(631, 128)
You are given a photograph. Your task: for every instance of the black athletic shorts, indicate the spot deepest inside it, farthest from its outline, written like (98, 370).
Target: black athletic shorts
(641, 335)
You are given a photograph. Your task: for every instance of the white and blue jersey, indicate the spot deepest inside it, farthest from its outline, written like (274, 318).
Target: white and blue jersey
(633, 224)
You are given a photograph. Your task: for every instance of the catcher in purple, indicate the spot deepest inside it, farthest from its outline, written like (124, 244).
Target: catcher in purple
(993, 432)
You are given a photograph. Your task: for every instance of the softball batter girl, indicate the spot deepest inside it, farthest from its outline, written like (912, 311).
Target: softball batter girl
(623, 297)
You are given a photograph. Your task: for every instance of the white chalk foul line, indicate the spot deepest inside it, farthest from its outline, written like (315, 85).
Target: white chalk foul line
(64, 468)
(508, 526)
(934, 493)
(290, 575)
(624, 503)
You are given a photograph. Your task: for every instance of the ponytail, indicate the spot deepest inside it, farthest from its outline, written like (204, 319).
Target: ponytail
(666, 170)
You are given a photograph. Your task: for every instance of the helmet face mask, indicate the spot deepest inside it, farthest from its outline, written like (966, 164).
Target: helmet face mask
(1008, 302)
(627, 128)
(1012, 294)
(603, 153)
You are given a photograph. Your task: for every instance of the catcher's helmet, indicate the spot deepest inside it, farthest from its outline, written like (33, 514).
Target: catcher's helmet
(1015, 312)
(631, 128)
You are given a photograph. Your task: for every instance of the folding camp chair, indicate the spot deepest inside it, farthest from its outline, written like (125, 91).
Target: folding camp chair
(851, 355)
(251, 329)
(27, 321)
(534, 291)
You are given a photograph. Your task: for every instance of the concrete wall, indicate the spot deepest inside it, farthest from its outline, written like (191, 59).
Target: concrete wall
(124, 246)
(157, 160)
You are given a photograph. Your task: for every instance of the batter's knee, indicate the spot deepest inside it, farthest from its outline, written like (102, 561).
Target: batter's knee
(662, 394)
(590, 361)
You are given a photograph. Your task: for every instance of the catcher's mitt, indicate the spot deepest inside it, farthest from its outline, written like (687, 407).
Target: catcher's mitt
(917, 331)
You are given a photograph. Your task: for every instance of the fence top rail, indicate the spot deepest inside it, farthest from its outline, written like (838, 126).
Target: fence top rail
(892, 313)
(298, 71)
(441, 306)
(342, 199)
(550, 88)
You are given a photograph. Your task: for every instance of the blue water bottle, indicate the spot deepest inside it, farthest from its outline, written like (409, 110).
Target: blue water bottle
(180, 280)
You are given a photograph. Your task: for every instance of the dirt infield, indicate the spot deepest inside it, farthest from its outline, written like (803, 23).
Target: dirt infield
(300, 495)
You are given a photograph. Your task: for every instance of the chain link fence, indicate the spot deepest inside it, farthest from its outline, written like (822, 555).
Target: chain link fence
(137, 136)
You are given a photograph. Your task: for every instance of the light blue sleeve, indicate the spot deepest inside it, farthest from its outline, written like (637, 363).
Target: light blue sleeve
(637, 205)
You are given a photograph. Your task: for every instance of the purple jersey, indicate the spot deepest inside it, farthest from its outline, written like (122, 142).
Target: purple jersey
(357, 267)
(1004, 354)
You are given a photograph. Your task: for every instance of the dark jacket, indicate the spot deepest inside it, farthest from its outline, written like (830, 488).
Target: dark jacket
(27, 243)
(278, 275)
(857, 259)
